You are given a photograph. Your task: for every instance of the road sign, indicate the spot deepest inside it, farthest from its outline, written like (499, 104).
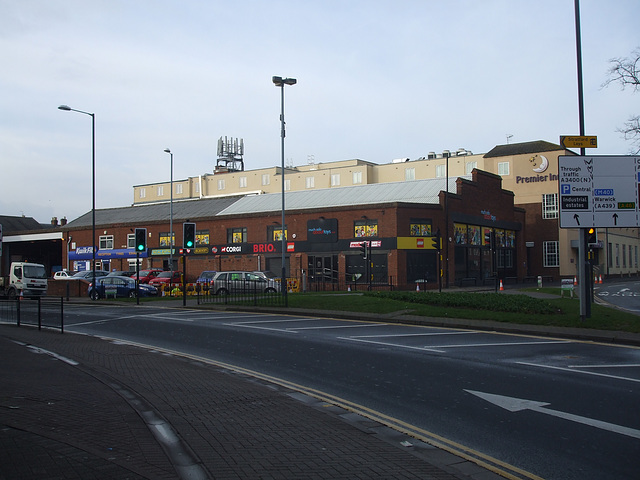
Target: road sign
(579, 142)
(598, 191)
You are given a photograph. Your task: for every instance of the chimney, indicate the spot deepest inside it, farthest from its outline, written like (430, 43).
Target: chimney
(63, 221)
(54, 221)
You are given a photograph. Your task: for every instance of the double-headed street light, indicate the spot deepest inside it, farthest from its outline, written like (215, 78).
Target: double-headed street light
(281, 82)
(66, 108)
(170, 215)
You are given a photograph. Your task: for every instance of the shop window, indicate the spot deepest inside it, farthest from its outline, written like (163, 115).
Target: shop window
(504, 258)
(165, 238)
(106, 242)
(549, 205)
(237, 235)
(551, 254)
(274, 233)
(202, 237)
(420, 227)
(365, 228)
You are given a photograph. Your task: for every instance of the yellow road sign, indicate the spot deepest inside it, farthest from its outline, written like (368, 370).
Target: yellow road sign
(579, 142)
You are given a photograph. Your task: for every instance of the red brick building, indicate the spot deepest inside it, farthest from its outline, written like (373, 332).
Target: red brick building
(324, 232)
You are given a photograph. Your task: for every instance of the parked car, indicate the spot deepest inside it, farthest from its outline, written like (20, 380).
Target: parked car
(88, 275)
(147, 275)
(225, 283)
(118, 286)
(62, 275)
(206, 276)
(122, 273)
(167, 278)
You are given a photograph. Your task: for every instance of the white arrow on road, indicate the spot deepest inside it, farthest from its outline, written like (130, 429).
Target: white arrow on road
(517, 404)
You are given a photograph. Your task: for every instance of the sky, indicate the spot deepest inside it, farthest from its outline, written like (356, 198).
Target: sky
(377, 80)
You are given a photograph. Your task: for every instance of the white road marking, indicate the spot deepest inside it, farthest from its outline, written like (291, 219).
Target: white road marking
(573, 370)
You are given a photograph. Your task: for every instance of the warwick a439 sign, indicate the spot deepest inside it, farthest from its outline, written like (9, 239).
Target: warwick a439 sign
(598, 191)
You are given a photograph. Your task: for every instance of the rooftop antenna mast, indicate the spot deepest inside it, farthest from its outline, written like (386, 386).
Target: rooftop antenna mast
(509, 137)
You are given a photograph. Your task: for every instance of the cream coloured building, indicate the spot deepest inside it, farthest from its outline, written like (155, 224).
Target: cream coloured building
(529, 170)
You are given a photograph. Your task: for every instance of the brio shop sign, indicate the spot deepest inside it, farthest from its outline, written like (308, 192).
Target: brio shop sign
(264, 248)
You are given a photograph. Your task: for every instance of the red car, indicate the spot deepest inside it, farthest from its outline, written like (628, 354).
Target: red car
(147, 275)
(166, 278)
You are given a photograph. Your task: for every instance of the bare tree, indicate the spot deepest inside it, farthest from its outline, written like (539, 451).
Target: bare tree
(624, 71)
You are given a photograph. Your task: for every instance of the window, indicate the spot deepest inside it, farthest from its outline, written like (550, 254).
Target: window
(624, 256)
(222, 184)
(106, 242)
(243, 182)
(636, 256)
(160, 190)
(237, 235)
(549, 205)
(131, 240)
(357, 177)
(365, 228)
(335, 179)
(265, 179)
(197, 187)
(441, 170)
(618, 255)
(309, 182)
(410, 173)
(178, 189)
(551, 255)
(202, 237)
(609, 255)
(469, 166)
(419, 227)
(503, 168)
(143, 192)
(274, 233)
(504, 258)
(287, 185)
(164, 239)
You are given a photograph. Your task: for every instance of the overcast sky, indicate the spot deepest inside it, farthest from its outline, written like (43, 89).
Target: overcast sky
(377, 80)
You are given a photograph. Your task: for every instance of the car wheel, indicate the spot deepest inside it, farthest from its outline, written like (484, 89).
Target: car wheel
(94, 295)
(222, 291)
(270, 290)
(132, 294)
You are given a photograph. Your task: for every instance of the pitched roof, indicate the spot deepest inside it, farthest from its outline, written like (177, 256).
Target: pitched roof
(522, 148)
(154, 213)
(11, 225)
(414, 191)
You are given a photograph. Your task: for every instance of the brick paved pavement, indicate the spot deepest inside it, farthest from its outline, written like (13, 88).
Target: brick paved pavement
(79, 407)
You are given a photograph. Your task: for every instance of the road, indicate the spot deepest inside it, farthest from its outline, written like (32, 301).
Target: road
(534, 407)
(620, 293)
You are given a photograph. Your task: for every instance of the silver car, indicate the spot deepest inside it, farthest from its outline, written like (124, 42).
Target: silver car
(224, 283)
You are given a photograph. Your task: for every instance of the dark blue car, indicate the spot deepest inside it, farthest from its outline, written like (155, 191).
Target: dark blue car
(118, 286)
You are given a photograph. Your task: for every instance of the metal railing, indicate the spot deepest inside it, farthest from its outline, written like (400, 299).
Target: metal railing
(45, 312)
(241, 293)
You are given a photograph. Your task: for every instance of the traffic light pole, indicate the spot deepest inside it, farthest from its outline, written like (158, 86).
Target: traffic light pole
(184, 278)
(137, 278)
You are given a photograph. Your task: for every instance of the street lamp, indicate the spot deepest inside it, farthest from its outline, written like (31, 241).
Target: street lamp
(170, 215)
(446, 154)
(66, 108)
(281, 82)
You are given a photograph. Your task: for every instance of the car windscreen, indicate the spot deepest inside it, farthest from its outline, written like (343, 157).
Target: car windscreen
(34, 271)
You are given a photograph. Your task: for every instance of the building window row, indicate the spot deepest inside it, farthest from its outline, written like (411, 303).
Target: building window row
(614, 255)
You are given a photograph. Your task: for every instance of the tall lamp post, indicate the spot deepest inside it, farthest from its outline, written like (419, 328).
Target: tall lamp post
(170, 214)
(66, 108)
(446, 154)
(281, 82)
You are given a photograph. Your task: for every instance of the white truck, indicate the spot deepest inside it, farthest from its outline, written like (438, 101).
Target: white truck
(25, 279)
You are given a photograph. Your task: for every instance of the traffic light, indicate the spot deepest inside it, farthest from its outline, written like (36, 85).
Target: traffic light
(436, 240)
(141, 239)
(364, 249)
(592, 236)
(188, 235)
